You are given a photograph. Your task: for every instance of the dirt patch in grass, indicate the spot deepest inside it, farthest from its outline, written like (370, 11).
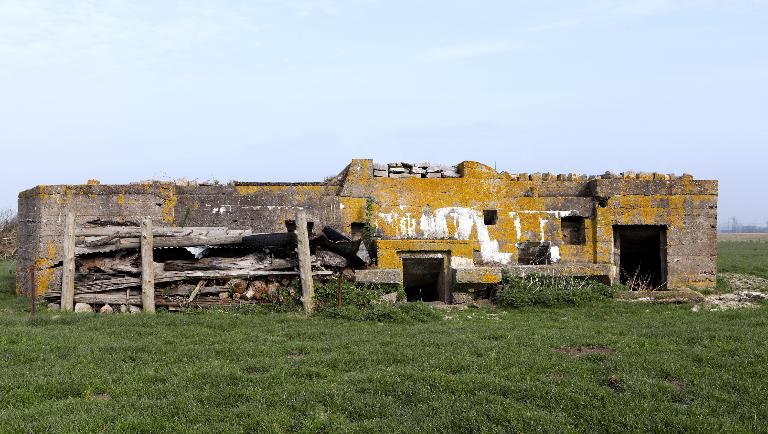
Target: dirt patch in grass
(661, 296)
(555, 376)
(296, 355)
(676, 383)
(100, 396)
(583, 350)
(736, 300)
(745, 282)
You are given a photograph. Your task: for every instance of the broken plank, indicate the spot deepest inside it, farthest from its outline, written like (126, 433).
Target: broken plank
(122, 231)
(167, 277)
(187, 241)
(247, 262)
(200, 284)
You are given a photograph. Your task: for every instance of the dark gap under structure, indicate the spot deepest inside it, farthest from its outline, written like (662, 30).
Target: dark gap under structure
(534, 253)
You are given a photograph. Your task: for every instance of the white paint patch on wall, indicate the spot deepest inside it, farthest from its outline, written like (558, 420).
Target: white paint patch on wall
(516, 218)
(460, 262)
(407, 226)
(489, 249)
(223, 209)
(388, 217)
(554, 253)
(433, 226)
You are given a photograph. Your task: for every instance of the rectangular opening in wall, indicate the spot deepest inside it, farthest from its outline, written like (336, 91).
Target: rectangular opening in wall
(490, 217)
(641, 253)
(424, 279)
(290, 226)
(534, 253)
(572, 228)
(357, 230)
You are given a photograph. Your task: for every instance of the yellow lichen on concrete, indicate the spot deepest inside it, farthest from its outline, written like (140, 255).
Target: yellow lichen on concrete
(168, 193)
(388, 250)
(43, 270)
(353, 211)
(452, 208)
(291, 189)
(481, 218)
(484, 275)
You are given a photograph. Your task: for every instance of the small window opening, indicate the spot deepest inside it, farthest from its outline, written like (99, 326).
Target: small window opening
(490, 217)
(357, 230)
(290, 226)
(572, 228)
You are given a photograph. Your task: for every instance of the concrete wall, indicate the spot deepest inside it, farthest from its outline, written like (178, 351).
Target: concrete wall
(261, 207)
(446, 214)
(413, 210)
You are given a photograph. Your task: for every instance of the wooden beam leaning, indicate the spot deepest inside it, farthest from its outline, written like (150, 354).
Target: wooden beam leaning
(147, 267)
(305, 262)
(68, 272)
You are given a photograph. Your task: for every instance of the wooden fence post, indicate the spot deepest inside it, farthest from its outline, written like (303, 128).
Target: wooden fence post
(147, 267)
(305, 263)
(68, 272)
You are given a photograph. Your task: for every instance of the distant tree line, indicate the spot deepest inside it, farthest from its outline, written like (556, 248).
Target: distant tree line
(8, 224)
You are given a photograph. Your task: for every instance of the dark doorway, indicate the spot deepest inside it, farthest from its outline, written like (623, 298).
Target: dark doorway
(424, 279)
(641, 252)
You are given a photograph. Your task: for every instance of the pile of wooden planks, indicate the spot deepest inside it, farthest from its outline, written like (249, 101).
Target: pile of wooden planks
(110, 239)
(186, 267)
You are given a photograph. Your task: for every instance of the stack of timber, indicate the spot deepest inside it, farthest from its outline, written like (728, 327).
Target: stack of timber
(201, 266)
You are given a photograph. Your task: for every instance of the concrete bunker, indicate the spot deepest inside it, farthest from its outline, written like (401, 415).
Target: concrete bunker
(480, 220)
(641, 252)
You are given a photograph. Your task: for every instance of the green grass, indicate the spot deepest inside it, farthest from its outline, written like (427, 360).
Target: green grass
(673, 370)
(745, 257)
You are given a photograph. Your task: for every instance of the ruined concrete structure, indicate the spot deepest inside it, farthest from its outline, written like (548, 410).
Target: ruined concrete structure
(439, 229)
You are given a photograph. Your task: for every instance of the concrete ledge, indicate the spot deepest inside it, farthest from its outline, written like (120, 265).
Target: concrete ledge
(383, 275)
(566, 270)
(478, 275)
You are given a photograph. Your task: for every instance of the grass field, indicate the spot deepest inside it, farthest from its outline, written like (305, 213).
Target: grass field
(746, 257)
(621, 367)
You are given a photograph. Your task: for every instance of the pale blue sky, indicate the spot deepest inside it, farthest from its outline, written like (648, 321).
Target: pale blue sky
(292, 90)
